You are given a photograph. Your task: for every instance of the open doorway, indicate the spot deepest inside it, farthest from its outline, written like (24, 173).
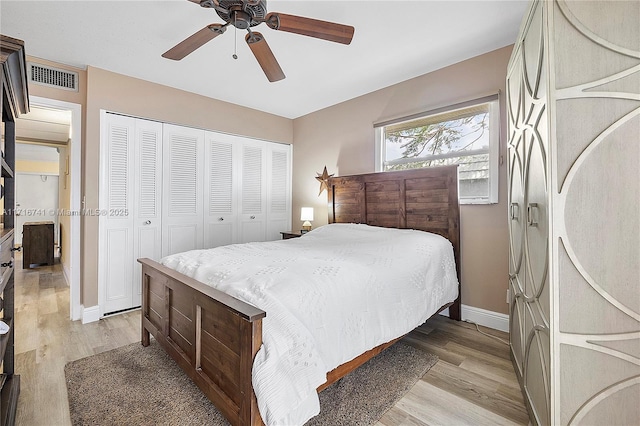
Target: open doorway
(39, 198)
(48, 154)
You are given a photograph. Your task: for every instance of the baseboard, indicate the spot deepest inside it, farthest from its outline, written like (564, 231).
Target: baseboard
(65, 273)
(482, 317)
(90, 314)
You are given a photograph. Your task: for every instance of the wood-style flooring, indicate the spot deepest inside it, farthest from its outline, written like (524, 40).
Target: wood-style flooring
(473, 383)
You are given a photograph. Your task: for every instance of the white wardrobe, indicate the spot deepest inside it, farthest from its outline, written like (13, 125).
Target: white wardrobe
(166, 189)
(573, 105)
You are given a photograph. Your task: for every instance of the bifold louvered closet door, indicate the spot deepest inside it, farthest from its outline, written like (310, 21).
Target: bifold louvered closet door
(183, 165)
(278, 174)
(130, 200)
(220, 193)
(247, 189)
(166, 189)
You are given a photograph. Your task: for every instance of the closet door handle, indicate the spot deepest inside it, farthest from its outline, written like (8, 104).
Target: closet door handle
(7, 264)
(514, 211)
(16, 248)
(221, 219)
(147, 222)
(252, 217)
(531, 221)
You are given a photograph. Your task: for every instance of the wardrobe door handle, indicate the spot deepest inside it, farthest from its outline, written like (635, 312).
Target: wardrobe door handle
(252, 217)
(514, 211)
(221, 219)
(147, 222)
(530, 219)
(16, 248)
(7, 264)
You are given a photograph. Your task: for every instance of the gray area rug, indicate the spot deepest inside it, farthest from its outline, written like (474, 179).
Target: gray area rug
(134, 385)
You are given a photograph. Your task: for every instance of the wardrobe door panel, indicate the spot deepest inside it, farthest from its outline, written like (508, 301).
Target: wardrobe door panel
(537, 377)
(517, 208)
(182, 207)
(537, 222)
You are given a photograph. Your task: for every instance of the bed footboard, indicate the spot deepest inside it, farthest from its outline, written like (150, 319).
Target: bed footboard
(212, 336)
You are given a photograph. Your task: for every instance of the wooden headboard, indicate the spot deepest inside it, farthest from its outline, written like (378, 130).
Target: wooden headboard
(424, 199)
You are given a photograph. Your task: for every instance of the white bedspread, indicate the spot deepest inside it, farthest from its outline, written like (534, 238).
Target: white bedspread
(329, 295)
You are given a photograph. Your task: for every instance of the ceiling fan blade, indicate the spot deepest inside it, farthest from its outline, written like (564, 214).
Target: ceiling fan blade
(310, 27)
(264, 55)
(195, 41)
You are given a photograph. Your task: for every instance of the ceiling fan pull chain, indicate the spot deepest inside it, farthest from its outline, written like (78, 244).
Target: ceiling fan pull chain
(235, 47)
(235, 39)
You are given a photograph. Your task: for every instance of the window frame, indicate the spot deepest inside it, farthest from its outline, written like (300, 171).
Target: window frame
(493, 103)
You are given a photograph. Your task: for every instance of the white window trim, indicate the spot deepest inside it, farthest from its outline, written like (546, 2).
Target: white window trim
(494, 150)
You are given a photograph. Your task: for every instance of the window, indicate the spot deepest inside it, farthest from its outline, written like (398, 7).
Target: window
(465, 134)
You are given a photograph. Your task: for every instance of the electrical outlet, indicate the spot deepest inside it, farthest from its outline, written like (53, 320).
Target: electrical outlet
(508, 295)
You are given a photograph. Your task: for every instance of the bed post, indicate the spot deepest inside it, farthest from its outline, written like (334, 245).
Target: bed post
(454, 236)
(251, 340)
(145, 306)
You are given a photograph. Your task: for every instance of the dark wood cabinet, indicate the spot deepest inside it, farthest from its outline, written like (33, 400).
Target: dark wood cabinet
(37, 244)
(14, 102)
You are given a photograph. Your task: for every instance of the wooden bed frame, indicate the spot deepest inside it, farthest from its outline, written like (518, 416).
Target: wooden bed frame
(214, 337)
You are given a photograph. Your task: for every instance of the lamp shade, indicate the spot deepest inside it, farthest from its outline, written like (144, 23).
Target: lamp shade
(306, 213)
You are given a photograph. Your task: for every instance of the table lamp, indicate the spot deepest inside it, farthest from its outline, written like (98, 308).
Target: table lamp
(306, 214)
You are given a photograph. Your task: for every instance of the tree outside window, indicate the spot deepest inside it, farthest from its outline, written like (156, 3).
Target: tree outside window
(461, 136)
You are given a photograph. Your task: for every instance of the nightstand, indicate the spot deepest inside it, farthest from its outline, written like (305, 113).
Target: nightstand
(290, 234)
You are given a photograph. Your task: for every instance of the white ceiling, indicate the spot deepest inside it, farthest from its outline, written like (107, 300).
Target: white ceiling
(394, 41)
(44, 125)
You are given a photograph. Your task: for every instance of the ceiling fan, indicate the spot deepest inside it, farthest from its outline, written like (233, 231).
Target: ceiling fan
(244, 14)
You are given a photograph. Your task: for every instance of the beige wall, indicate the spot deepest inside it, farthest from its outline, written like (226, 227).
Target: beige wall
(119, 93)
(342, 138)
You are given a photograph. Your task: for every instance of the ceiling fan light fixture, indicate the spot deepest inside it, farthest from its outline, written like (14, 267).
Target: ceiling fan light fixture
(240, 19)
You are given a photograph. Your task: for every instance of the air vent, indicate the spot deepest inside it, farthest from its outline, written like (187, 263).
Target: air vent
(53, 77)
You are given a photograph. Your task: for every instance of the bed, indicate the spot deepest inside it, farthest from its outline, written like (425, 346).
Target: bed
(215, 337)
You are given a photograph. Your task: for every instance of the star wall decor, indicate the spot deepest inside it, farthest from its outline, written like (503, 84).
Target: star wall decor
(324, 180)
